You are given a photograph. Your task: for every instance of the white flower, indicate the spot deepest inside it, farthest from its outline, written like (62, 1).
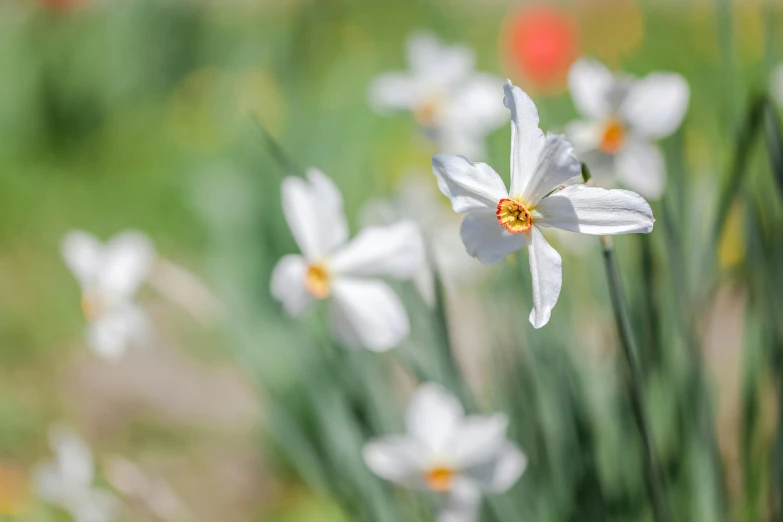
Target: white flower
(500, 222)
(67, 482)
(109, 275)
(447, 452)
(453, 102)
(365, 311)
(416, 200)
(623, 116)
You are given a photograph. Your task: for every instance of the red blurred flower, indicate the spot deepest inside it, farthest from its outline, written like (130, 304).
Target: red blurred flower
(541, 42)
(60, 5)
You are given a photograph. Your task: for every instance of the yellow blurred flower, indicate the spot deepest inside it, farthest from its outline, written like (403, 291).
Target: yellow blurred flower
(14, 491)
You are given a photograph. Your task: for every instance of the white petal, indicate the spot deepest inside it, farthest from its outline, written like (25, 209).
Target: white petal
(394, 251)
(393, 91)
(461, 504)
(469, 186)
(591, 84)
(74, 457)
(91, 505)
(109, 336)
(314, 212)
(399, 459)
(288, 284)
(368, 313)
(527, 140)
(656, 105)
(546, 269)
(585, 135)
(445, 64)
(433, 416)
(83, 253)
(486, 240)
(478, 439)
(128, 259)
(477, 106)
(499, 474)
(593, 210)
(640, 167)
(557, 165)
(49, 482)
(334, 229)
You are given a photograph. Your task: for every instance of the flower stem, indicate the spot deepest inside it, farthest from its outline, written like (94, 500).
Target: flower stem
(635, 386)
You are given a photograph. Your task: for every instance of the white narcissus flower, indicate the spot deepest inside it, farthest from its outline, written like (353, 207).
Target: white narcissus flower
(448, 98)
(448, 452)
(623, 116)
(365, 311)
(110, 275)
(500, 222)
(68, 481)
(416, 200)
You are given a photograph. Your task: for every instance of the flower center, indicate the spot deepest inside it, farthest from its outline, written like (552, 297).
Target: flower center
(426, 113)
(613, 137)
(317, 281)
(94, 305)
(514, 216)
(440, 478)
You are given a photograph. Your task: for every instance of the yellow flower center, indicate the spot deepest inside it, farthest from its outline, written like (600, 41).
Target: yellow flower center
(426, 113)
(514, 216)
(439, 478)
(93, 305)
(317, 281)
(613, 136)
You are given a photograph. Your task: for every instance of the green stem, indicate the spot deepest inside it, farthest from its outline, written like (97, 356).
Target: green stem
(774, 141)
(653, 477)
(278, 153)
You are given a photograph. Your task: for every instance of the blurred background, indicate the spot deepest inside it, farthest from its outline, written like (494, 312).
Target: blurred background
(180, 118)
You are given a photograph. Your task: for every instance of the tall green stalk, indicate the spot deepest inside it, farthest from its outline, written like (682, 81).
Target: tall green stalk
(653, 477)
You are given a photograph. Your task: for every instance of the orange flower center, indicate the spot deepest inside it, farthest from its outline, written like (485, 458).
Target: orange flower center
(440, 478)
(514, 216)
(613, 137)
(425, 115)
(93, 305)
(317, 281)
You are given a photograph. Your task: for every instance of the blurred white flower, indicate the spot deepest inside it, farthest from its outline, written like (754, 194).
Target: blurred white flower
(447, 452)
(110, 275)
(500, 222)
(67, 481)
(623, 115)
(365, 311)
(448, 98)
(416, 200)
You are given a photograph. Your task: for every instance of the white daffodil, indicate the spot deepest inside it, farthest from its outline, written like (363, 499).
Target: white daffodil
(454, 103)
(109, 275)
(416, 200)
(445, 451)
(500, 222)
(68, 481)
(365, 311)
(623, 116)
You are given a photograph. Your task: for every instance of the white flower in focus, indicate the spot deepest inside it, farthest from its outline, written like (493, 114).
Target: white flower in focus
(445, 451)
(68, 481)
(110, 275)
(416, 200)
(365, 311)
(448, 98)
(500, 222)
(623, 116)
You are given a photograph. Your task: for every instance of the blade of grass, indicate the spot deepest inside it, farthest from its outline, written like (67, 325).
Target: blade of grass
(653, 477)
